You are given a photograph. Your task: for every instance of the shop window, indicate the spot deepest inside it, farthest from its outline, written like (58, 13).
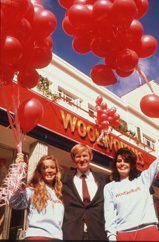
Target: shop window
(138, 133)
(6, 158)
(69, 97)
(91, 111)
(3, 169)
(11, 221)
(64, 94)
(149, 141)
(16, 225)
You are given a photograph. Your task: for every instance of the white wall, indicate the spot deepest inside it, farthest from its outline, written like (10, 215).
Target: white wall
(62, 74)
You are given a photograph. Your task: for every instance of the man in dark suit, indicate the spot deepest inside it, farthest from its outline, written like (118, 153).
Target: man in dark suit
(83, 221)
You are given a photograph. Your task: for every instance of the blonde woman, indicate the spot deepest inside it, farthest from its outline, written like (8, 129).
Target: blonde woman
(43, 198)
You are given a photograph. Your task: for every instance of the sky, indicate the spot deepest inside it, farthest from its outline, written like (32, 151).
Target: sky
(84, 62)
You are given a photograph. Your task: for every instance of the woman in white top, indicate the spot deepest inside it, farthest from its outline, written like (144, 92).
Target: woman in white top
(128, 205)
(43, 198)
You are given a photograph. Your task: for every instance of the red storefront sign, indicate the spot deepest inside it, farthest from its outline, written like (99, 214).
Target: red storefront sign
(66, 123)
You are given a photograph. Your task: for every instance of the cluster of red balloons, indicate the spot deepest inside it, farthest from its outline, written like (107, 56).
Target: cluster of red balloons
(26, 43)
(106, 117)
(110, 29)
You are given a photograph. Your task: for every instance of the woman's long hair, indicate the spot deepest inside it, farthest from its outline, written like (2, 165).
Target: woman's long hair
(41, 195)
(129, 156)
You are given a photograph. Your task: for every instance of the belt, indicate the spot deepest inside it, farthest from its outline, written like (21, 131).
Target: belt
(141, 226)
(39, 238)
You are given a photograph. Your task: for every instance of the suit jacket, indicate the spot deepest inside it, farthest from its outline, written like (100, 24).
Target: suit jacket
(75, 210)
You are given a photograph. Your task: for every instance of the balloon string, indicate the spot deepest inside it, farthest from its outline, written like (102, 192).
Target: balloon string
(15, 101)
(13, 128)
(142, 74)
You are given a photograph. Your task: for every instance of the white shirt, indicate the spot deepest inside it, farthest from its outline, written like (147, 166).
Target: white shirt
(46, 223)
(128, 204)
(91, 184)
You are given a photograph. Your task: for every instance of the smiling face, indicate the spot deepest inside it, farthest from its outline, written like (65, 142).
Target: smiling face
(48, 171)
(82, 160)
(123, 167)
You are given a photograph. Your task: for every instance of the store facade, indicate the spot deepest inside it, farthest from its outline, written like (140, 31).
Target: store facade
(63, 124)
(61, 128)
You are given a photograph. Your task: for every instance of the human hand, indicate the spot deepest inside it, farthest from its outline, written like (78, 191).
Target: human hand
(19, 158)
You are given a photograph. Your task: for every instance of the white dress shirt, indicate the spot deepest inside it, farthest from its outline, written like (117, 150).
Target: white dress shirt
(91, 184)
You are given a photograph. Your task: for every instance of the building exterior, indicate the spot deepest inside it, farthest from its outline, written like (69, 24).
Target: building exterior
(68, 97)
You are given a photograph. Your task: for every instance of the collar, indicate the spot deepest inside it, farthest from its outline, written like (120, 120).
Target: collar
(79, 173)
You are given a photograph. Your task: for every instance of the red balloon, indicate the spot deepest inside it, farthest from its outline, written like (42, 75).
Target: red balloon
(66, 3)
(39, 2)
(99, 100)
(37, 8)
(46, 43)
(110, 60)
(44, 23)
(104, 107)
(81, 44)
(149, 105)
(99, 110)
(112, 111)
(116, 122)
(28, 78)
(14, 10)
(102, 10)
(29, 14)
(99, 26)
(30, 112)
(91, 1)
(105, 124)
(11, 51)
(80, 1)
(6, 75)
(79, 15)
(41, 56)
(147, 46)
(67, 26)
(104, 116)
(135, 30)
(110, 119)
(124, 11)
(28, 51)
(116, 116)
(22, 30)
(142, 7)
(100, 47)
(124, 73)
(102, 75)
(85, 2)
(127, 60)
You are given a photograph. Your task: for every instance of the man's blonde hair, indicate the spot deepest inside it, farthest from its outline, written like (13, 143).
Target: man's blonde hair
(79, 148)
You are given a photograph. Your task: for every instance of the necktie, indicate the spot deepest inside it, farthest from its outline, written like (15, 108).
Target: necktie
(86, 196)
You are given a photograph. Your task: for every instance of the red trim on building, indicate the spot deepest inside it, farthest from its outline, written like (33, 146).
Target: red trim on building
(66, 123)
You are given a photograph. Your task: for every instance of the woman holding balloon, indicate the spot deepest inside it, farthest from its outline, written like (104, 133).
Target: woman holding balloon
(42, 196)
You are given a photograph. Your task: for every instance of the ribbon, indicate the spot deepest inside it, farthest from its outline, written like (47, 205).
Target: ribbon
(14, 122)
(12, 182)
(143, 76)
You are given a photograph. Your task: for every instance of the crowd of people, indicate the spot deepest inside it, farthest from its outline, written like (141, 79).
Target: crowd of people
(78, 203)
